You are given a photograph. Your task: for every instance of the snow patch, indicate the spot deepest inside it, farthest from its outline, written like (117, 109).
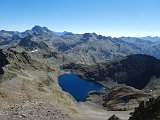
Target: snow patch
(34, 50)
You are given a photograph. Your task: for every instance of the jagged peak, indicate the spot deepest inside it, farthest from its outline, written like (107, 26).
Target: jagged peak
(39, 30)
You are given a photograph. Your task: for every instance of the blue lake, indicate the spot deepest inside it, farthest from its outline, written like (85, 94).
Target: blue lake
(78, 87)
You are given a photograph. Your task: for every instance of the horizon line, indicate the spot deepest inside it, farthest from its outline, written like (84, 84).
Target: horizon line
(116, 36)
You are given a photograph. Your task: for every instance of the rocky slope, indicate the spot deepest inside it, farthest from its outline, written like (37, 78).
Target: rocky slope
(124, 98)
(119, 98)
(29, 87)
(147, 45)
(29, 90)
(87, 48)
(90, 48)
(133, 70)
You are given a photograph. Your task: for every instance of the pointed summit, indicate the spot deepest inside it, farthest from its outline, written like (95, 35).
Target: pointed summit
(40, 30)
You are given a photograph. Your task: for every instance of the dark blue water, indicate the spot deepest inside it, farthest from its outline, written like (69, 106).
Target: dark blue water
(78, 87)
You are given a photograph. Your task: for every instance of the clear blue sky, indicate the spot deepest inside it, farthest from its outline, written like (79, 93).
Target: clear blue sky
(107, 17)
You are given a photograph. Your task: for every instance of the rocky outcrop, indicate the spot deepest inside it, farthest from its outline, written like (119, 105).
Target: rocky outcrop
(28, 43)
(113, 117)
(134, 70)
(3, 61)
(149, 110)
(123, 98)
(43, 45)
(21, 60)
(50, 54)
(26, 56)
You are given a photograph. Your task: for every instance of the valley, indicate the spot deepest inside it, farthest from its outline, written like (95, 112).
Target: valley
(67, 76)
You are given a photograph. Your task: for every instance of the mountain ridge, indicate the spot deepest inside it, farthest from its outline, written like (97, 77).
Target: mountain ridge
(62, 33)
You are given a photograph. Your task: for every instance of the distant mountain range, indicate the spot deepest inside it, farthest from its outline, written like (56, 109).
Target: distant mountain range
(31, 62)
(87, 48)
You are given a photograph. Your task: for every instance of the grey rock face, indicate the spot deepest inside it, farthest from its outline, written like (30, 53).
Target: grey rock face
(149, 110)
